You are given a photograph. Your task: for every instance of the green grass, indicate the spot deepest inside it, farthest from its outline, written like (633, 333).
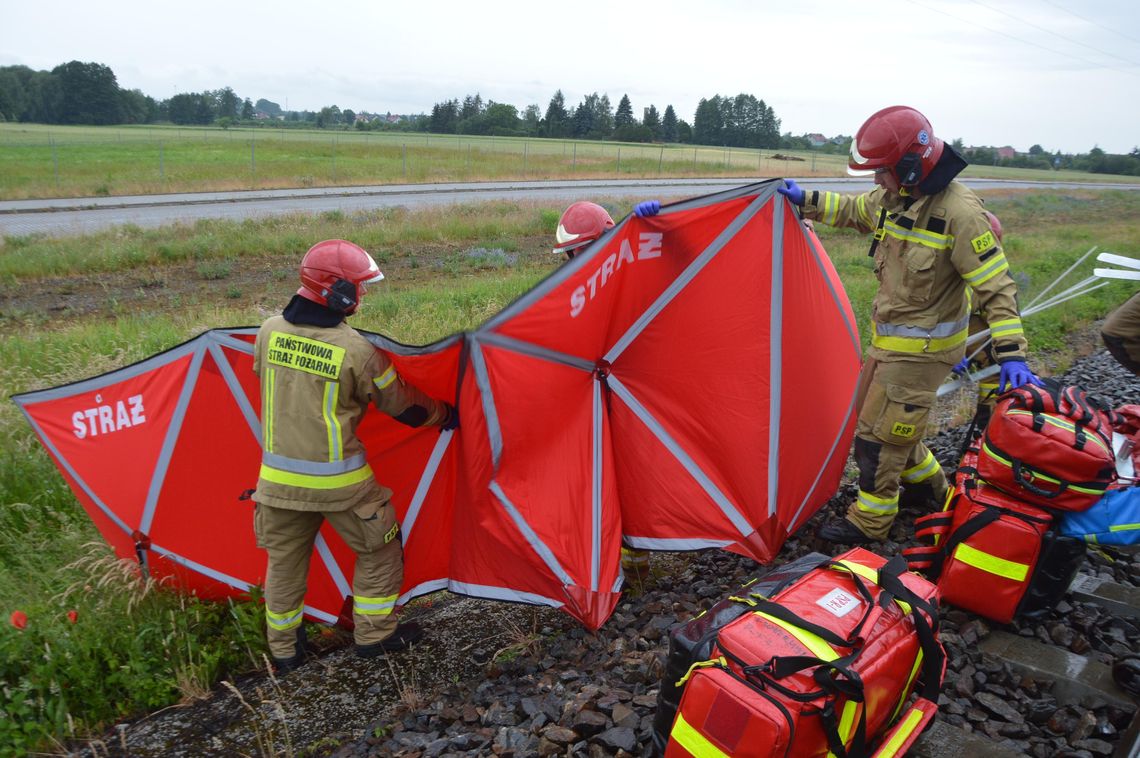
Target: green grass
(448, 270)
(63, 161)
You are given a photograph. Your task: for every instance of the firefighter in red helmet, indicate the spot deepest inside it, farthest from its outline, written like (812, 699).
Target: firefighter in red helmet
(318, 376)
(580, 224)
(931, 243)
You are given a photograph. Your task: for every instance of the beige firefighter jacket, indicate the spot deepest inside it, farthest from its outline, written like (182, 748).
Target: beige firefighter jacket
(316, 383)
(926, 256)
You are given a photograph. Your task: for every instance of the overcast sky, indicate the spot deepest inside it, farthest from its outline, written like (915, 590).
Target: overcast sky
(1061, 73)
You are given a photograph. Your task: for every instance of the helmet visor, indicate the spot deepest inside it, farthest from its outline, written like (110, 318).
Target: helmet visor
(857, 164)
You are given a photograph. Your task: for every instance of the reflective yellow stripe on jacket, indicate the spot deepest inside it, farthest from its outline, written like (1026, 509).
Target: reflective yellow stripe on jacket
(270, 381)
(315, 481)
(923, 237)
(332, 423)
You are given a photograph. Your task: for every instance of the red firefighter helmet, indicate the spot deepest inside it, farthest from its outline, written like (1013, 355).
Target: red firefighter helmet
(898, 139)
(995, 224)
(581, 223)
(334, 273)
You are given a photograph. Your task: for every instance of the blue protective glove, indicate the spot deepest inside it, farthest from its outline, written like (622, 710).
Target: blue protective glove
(647, 208)
(961, 367)
(792, 191)
(1014, 374)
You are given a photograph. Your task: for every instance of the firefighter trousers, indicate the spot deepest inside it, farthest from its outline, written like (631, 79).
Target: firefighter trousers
(370, 530)
(888, 440)
(1121, 334)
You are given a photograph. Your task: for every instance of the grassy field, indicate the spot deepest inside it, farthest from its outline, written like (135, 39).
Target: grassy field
(57, 161)
(79, 306)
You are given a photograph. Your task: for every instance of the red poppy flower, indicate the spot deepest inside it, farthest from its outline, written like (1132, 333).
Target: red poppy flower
(73, 616)
(18, 619)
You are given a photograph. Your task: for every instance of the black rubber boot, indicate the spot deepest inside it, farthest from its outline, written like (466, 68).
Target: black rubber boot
(398, 640)
(844, 532)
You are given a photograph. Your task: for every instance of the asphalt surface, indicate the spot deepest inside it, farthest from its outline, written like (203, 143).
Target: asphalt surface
(68, 216)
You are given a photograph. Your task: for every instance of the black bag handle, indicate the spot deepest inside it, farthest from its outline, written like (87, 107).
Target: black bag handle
(1024, 479)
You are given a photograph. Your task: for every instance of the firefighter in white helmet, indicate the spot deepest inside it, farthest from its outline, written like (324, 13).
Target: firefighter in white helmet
(931, 241)
(580, 224)
(318, 376)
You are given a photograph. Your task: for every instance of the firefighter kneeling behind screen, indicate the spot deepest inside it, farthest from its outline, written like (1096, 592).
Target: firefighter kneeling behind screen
(932, 241)
(580, 224)
(318, 375)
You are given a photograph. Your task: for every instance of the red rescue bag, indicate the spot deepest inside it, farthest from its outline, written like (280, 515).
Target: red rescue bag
(994, 554)
(1051, 446)
(826, 665)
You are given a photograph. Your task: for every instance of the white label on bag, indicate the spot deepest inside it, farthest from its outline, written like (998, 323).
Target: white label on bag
(838, 603)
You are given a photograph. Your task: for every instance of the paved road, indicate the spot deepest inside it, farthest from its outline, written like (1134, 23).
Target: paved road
(85, 215)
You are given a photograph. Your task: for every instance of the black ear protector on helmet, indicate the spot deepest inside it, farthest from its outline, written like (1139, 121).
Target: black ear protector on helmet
(341, 297)
(909, 169)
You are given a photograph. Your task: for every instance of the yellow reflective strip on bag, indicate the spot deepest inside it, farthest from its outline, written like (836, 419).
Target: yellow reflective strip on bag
(693, 741)
(814, 643)
(846, 723)
(1038, 475)
(919, 344)
(386, 378)
(267, 411)
(909, 682)
(1061, 423)
(872, 576)
(991, 564)
(1123, 527)
(891, 746)
(314, 482)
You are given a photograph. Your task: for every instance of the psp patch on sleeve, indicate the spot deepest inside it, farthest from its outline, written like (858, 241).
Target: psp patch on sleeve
(983, 242)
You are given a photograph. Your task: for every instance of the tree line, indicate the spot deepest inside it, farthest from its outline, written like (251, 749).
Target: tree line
(88, 93)
(740, 121)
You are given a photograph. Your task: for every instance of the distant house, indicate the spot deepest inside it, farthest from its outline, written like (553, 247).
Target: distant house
(1005, 152)
(817, 140)
(394, 119)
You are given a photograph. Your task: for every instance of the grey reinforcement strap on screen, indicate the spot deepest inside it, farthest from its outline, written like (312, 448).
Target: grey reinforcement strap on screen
(598, 445)
(776, 353)
(502, 593)
(487, 397)
(171, 439)
(426, 480)
(674, 545)
(852, 332)
(331, 566)
(683, 279)
(727, 508)
(535, 351)
(536, 544)
(231, 380)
